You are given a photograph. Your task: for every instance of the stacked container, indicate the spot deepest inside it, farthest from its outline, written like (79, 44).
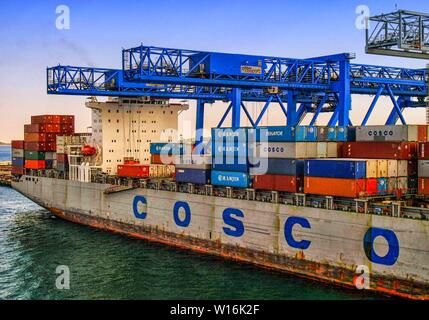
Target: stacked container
(41, 139)
(194, 168)
(423, 169)
(18, 159)
(231, 157)
(395, 149)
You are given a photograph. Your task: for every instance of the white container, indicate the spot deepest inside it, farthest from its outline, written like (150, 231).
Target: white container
(18, 153)
(392, 168)
(392, 185)
(60, 149)
(387, 133)
(423, 169)
(60, 141)
(402, 168)
(381, 168)
(286, 150)
(402, 184)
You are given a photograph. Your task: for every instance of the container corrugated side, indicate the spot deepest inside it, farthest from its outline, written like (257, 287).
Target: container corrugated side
(18, 162)
(278, 183)
(18, 153)
(17, 144)
(34, 155)
(333, 168)
(193, 176)
(349, 188)
(387, 133)
(287, 150)
(288, 167)
(231, 179)
(380, 150)
(423, 169)
(230, 164)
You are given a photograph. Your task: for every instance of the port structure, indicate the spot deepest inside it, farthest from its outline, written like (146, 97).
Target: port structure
(299, 86)
(401, 33)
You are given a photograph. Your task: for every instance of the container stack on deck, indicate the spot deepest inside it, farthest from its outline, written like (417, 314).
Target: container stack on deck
(423, 169)
(18, 159)
(40, 139)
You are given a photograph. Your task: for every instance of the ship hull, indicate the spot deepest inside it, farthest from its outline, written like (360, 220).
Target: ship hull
(325, 245)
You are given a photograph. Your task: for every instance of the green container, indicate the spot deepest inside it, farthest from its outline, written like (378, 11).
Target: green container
(34, 155)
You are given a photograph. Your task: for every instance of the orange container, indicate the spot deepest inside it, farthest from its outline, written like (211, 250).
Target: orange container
(350, 188)
(422, 133)
(423, 188)
(133, 170)
(156, 159)
(35, 164)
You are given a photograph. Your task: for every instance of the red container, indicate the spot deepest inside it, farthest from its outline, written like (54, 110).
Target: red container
(423, 188)
(67, 119)
(422, 133)
(42, 128)
(35, 164)
(43, 119)
(18, 170)
(380, 150)
(263, 182)
(40, 146)
(40, 137)
(56, 119)
(278, 183)
(423, 151)
(156, 159)
(133, 171)
(67, 128)
(371, 186)
(350, 188)
(62, 158)
(17, 144)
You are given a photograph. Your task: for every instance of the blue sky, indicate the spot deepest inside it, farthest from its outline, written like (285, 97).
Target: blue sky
(99, 29)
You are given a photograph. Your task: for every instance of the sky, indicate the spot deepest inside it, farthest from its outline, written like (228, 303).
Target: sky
(99, 29)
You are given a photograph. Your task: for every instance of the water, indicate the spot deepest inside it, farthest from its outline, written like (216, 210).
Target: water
(5, 153)
(102, 265)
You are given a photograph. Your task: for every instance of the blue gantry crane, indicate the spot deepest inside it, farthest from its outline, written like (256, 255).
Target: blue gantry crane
(299, 86)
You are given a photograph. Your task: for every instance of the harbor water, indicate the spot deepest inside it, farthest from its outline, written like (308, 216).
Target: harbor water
(33, 243)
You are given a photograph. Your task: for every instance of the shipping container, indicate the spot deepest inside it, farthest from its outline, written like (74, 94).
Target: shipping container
(392, 185)
(423, 151)
(18, 153)
(413, 183)
(50, 155)
(335, 168)
(42, 128)
(382, 168)
(423, 187)
(67, 119)
(40, 137)
(422, 132)
(286, 150)
(42, 119)
(34, 155)
(327, 150)
(392, 168)
(388, 133)
(231, 179)
(351, 134)
(230, 134)
(66, 128)
(371, 187)
(336, 134)
(133, 171)
(237, 150)
(49, 164)
(18, 170)
(170, 148)
(350, 188)
(380, 150)
(230, 164)
(17, 144)
(278, 183)
(18, 162)
(289, 167)
(322, 134)
(193, 176)
(35, 164)
(423, 168)
(402, 184)
(40, 146)
(161, 159)
(382, 186)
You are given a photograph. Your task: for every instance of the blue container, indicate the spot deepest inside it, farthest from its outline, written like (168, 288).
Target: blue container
(344, 169)
(300, 133)
(169, 148)
(382, 185)
(351, 134)
(230, 164)
(193, 176)
(331, 134)
(310, 133)
(225, 149)
(230, 134)
(49, 164)
(276, 134)
(18, 162)
(231, 179)
(286, 167)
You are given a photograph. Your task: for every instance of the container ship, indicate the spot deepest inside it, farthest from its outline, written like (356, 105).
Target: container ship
(342, 204)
